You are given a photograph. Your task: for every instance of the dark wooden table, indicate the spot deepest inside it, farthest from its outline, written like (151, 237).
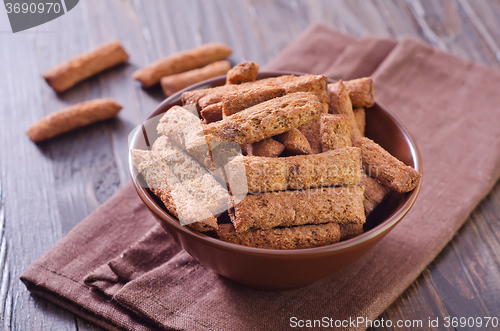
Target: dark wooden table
(47, 189)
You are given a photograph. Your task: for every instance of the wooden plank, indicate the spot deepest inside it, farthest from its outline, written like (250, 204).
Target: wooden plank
(83, 325)
(483, 15)
(5, 295)
(380, 18)
(319, 11)
(166, 31)
(366, 15)
(420, 302)
(84, 170)
(30, 216)
(355, 18)
(345, 19)
(399, 19)
(467, 272)
(158, 19)
(119, 20)
(246, 37)
(445, 25)
(212, 27)
(278, 23)
(427, 31)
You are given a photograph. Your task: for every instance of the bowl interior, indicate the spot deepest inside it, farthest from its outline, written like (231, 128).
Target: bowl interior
(381, 126)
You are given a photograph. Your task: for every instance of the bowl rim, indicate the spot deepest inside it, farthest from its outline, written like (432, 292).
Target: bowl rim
(302, 252)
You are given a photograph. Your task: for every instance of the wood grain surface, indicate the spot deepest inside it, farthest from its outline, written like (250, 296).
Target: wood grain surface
(46, 189)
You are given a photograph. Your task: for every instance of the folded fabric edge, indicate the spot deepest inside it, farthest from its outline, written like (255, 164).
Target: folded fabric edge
(47, 286)
(70, 306)
(151, 251)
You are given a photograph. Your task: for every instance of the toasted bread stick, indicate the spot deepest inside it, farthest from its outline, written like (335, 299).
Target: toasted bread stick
(316, 84)
(295, 142)
(181, 62)
(192, 97)
(180, 125)
(236, 102)
(177, 82)
(242, 73)
(361, 92)
(212, 113)
(290, 208)
(267, 147)
(375, 193)
(266, 174)
(223, 152)
(195, 178)
(216, 94)
(186, 130)
(302, 236)
(350, 230)
(359, 114)
(73, 117)
(172, 193)
(380, 164)
(340, 104)
(266, 119)
(182, 164)
(311, 130)
(244, 93)
(335, 132)
(67, 74)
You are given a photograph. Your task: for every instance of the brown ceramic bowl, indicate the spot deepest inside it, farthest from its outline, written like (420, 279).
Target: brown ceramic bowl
(287, 269)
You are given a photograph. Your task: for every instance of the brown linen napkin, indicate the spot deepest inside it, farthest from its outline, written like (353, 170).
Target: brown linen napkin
(108, 231)
(448, 105)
